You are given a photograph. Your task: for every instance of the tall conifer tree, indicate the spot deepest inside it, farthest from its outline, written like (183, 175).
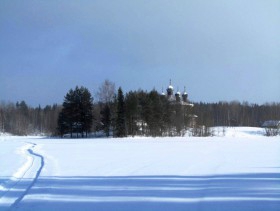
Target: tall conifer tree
(120, 120)
(76, 115)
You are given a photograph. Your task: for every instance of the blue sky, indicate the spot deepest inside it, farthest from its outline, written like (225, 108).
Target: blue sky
(220, 50)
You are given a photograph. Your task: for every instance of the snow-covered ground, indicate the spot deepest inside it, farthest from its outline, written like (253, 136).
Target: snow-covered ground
(238, 171)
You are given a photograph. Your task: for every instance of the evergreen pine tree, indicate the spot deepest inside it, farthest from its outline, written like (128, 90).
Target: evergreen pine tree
(131, 111)
(120, 120)
(62, 123)
(76, 115)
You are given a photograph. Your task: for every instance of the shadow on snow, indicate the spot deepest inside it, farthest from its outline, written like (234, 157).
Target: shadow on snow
(222, 192)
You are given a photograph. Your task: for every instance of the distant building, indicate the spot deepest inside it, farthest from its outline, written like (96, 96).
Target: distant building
(181, 101)
(177, 98)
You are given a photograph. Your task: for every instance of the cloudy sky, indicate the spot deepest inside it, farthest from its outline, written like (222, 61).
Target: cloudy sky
(220, 50)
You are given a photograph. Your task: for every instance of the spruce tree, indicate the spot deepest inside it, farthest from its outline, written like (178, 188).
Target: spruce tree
(120, 120)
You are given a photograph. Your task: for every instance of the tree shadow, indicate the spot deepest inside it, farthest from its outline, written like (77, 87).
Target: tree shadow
(222, 192)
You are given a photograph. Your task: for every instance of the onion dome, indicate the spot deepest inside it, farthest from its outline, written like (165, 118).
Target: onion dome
(177, 96)
(170, 90)
(185, 95)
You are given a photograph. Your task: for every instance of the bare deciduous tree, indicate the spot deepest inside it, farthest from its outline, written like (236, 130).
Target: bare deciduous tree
(106, 92)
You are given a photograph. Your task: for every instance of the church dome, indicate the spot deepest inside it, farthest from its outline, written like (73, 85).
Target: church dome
(170, 90)
(185, 95)
(177, 96)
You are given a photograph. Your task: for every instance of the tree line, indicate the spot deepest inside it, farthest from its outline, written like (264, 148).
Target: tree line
(21, 119)
(235, 113)
(135, 113)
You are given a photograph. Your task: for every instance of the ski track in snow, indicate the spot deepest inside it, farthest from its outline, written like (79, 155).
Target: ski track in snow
(20, 175)
(17, 177)
(34, 180)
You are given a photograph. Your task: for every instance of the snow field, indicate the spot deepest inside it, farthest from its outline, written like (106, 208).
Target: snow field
(240, 171)
(159, 156)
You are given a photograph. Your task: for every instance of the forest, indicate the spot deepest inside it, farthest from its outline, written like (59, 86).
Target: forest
(135, 113)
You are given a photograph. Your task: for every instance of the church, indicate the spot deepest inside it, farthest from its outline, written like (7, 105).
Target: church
(177, 98)
(182, 101)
